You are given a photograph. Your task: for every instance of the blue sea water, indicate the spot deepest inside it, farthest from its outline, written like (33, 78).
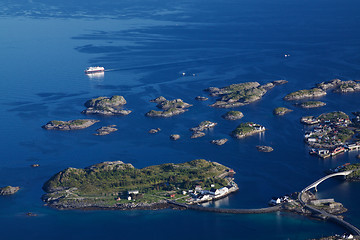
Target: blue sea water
(148, 44)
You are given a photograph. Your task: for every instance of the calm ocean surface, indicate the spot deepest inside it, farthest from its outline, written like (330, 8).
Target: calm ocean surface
(46, 45)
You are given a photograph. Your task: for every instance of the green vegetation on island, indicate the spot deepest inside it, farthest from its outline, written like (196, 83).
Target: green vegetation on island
(8, 190)
(169, 107)
(247, 129)
(312, 104)
(320, 90)
(233, 115)
(106, 106)
(109, 184)
(279, 111)
(69, 125)
(240, 94)
(306, 93)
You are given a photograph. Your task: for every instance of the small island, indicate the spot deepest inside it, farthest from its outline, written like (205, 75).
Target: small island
(306, 93)
(320, 90)
(106, 106)
(198, 130)
(69, 125)
(264, 148)
(240, 94)
(340, 86)
(233, 115)
(169, 107)
(174, 137)
(312, 104)
(280, 111)
(219, 142)
(8, 190)
(247, 129)
(106, 130)
(117, 185)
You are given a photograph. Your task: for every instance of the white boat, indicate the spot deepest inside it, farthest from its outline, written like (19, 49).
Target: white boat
(94, 70)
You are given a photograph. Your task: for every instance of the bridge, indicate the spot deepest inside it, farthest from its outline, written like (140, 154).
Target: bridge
(325, 215)
(315, 184)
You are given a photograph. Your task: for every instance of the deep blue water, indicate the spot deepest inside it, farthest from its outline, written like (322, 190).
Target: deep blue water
(46, 45)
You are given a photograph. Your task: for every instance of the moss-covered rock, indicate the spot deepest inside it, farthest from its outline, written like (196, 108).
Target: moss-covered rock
(233, 115)
(306, 93)
(69, 125)
(279, 111)
(106, 106)
(312, 104)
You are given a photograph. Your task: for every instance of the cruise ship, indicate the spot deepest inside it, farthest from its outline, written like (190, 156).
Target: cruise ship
(94, 70)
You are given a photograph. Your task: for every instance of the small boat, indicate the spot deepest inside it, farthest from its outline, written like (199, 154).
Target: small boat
(94, 70)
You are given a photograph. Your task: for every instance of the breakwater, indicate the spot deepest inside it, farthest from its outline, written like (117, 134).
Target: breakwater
(225, 210)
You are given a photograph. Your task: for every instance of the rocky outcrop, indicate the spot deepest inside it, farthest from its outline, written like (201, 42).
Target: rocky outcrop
(241, 94)
(168, 108)
(69, 125)
(174, 137)
(279, 111)
(264, 148)
(197, 134)
(201, 98)
(279, 82)
(203, 126)
(309, 120)
(154, 130)
(158, 99)
(106, 106)
(306, 93)
(219, 142)
(106, 130)
(233, 115)
(312, 104)
(9, 190)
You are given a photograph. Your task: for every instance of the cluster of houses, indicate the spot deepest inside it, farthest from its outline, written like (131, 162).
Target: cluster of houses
(257, 127)
(199, 195)
(279, 200)
(325, 136)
